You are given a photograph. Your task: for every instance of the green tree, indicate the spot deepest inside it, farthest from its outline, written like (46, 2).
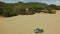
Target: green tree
(2, 4)
(53, 6)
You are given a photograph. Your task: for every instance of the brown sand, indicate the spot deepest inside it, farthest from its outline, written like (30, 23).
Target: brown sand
(26, 24)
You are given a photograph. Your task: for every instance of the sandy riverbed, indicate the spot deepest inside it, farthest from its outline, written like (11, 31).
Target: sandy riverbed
(26, 24)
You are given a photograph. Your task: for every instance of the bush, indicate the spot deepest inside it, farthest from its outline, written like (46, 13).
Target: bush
(49, 10)
(9, 9)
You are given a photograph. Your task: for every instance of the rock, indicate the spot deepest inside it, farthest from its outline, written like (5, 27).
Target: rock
(37, 30)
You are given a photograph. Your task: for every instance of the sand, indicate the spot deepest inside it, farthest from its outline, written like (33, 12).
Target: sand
(25, 24)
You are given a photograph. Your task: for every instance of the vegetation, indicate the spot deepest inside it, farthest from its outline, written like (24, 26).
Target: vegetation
(29, 8)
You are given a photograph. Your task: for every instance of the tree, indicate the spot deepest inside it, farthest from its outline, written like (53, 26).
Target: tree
(13, 9)
(58, 8)
(53, 6)
(2, 4)
(8, 11)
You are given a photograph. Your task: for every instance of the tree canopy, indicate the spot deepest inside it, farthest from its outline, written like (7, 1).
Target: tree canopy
(13, 9)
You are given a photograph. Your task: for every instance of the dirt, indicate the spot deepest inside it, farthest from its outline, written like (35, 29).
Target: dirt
(25, 24)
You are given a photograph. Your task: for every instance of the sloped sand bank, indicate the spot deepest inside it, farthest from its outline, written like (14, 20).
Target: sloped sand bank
(26, 24)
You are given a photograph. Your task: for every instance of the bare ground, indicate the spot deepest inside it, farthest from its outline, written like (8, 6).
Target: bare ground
(23, 24)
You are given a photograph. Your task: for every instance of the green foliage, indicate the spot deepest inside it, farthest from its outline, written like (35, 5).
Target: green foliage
(53, 6)
(31, 11)
(8, 11)
(13, 9)
(58, 8)
(2, 4)
(49, 9)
